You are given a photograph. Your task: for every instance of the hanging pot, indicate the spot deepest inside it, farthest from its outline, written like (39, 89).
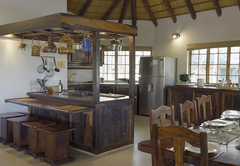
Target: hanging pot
(115, 44)
(49, 46)
(35, 47)
(21, 45)
(184, 77)
(66, 45)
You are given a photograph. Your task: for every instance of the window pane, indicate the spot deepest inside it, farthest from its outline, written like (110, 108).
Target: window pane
(101, 69)
(202, 69)
(214, 50)
(137, 59)
(202, 77)
(194, 69)
(121, 69)
(111, 77)
(195, 51)
(127, 59)
(121, 59)
(203, 51)
(137, 69)
(127, 69)
(202, 59)
(213, 69)
(221, 77)
(127, 76)
(121, 75)
(127, 52)
(213, 79)
(105, 59)
(234, 59)
(234, 69)
(222, 58)
(146, 53)
(213, 58)
(234, 49)
(111, 68)
(222, 70)
(194, 78)
(194, 59)
(137, 77)
(223, 50)
(138, 53)
(121, 53)
(111, 59)
(234, 79)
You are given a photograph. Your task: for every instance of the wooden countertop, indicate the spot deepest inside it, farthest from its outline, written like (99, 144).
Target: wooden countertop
(204, 88)
(101, 83)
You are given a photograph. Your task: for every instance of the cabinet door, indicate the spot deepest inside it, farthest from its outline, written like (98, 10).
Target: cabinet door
(80, 56)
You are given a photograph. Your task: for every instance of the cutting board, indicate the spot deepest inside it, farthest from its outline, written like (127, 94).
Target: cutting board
(71, 108)
(111, 95)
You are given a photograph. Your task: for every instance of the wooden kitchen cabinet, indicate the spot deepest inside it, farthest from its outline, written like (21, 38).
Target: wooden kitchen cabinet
(81, 59)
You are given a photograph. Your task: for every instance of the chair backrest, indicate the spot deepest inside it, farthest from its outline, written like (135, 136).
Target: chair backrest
(189, 108)
(202, 113)
(179, 135)
(161, 113)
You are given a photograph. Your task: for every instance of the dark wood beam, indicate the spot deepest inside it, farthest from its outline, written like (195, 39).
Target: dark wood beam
(217, 7)
(124, 9)
(85, 7)
(170, 10)
(150, 13)
(238, 1)
(190, 8)
(134, 13)
(114, 5)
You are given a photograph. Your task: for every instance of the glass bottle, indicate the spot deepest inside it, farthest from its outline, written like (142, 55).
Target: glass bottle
(60, 87)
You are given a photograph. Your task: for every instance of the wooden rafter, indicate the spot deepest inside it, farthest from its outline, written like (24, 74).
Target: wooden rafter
(150, 13)
(114, 5)
(134, 13)
(170, 10)
(217, 7)
(85, 7)
(124, 9)
(238, 1)
(190, 8)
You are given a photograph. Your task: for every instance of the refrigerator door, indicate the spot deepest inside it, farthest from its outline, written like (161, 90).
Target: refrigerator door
(151, 91)
(152, 66)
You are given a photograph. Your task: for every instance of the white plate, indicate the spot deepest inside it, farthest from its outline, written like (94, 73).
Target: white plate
(211, 148)
(217, 122)
(238, 141)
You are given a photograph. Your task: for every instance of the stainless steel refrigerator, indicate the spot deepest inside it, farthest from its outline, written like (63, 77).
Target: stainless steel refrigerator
(155, 74)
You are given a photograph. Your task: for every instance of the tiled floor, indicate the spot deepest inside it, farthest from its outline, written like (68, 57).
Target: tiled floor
(125, 156)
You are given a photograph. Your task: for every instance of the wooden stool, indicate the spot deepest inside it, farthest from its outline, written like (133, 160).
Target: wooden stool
(36, 141)
(56, 144)
(20, 132)
(7, 127)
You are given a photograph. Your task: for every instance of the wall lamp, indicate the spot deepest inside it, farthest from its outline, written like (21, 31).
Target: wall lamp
(175, 35)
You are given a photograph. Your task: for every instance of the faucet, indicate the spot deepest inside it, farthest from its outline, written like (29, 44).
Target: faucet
(70, 78)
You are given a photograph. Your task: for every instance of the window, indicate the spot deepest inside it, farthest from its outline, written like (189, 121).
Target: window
(214, 64)
(116, 63)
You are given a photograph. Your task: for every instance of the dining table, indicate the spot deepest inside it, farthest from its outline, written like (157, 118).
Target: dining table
(228, 154)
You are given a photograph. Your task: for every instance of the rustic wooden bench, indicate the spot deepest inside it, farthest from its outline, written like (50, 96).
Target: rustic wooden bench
(57, 144)
(36, 138)
(20, 132)
(7, 127)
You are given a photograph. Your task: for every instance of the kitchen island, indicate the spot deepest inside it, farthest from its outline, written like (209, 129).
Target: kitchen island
(100, 126)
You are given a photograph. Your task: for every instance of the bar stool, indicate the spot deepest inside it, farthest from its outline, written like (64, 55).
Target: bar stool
(36, 141)
(20, 132)
(56, 144)
(7, 127)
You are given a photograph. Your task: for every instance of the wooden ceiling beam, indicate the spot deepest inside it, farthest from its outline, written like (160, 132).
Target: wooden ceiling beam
(124, 9)
(85, 7)
(150, 13)
(217, 7)
(238, 2)
(170, 10)
(114, 5)
(134, 13)
(191, 10)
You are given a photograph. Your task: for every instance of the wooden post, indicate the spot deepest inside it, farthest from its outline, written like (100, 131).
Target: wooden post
(132, 66)
(96, 65)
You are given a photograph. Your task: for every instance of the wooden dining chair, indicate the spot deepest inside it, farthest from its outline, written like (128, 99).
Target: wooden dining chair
(179, 135)
(204, 112)
(189, 108)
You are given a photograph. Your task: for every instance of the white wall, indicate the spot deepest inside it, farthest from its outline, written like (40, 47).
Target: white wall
(18, 67)
(207, 27)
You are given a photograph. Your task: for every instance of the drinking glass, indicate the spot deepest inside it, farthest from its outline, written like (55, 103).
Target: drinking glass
(214, 129)
(223, 137)
(236, 123)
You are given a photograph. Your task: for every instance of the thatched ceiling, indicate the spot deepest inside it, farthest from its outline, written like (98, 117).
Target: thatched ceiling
(145, 9)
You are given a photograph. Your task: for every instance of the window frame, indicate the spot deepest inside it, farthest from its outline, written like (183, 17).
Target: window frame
(126, 48)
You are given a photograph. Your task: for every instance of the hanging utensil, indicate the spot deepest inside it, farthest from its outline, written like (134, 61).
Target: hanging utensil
(56, 69)
(49, 46)
(50, 73)
(35, 47)
(21, 45)
(46, 64)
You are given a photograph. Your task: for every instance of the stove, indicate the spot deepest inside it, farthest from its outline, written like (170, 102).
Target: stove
(81, 93)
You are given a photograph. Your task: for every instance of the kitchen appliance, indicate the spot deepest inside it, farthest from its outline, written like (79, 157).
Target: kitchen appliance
(116, 43)
(155, 74)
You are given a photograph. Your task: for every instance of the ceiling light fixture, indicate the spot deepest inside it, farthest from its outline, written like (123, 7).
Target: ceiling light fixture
(175, 35)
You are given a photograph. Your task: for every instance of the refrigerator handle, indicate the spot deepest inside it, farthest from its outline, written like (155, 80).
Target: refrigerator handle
(150, 87)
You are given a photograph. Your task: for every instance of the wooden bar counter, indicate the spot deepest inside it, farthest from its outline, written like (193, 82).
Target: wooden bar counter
(222, 99)
(100, 126)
